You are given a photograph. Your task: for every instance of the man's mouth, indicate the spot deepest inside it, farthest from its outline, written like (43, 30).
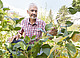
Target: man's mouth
(34, 15)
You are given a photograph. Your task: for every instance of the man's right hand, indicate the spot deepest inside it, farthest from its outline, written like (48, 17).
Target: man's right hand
(10, 39)
(13, 37)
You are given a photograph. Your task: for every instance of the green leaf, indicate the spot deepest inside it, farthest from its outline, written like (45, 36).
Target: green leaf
(69, 55)
(62, 30)
(69, 23)
(17, 28)
(22, 37)
(27, 39)
(6, 9)
(60, 43)
(1, 4)
(44, 40)
(16, 46)
(18, 20)
(0, 52)
(43, 55)
(71, 47)
(72, 10)
(65, 33)
(22, 45)
(11, 27)
(4, 24)
(21, 56)
(33, 37)
(36, 49)
(45, 46)
(46, 51)
(48, 26)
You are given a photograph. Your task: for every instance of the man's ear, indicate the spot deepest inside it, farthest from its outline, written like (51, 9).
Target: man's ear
(27, 11)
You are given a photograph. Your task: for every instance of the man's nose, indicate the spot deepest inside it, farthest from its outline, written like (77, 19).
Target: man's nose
(34, 12)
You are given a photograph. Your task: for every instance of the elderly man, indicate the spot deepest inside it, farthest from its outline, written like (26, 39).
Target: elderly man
(30, 26)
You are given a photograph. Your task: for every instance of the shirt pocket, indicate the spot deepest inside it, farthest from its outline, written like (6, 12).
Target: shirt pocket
(37, 32)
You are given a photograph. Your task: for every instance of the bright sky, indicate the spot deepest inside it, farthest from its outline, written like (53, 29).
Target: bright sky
(49, 4)
(22, 5)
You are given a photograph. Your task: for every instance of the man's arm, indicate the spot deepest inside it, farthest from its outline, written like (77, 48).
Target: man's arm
(19, 35)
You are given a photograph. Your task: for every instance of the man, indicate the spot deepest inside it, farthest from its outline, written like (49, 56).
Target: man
(30, 26)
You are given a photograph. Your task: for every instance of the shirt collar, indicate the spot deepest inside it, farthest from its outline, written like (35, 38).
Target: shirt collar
(34, 23)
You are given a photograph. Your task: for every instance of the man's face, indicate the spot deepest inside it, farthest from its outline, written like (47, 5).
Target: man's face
(32, 12)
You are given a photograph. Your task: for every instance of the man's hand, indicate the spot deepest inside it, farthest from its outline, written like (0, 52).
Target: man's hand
(53, 32)
(12, 38)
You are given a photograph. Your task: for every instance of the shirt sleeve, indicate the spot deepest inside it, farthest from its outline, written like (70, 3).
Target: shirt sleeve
(43, 26)
(22, 27)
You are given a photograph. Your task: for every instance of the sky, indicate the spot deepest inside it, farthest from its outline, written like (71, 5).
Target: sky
(22, 5)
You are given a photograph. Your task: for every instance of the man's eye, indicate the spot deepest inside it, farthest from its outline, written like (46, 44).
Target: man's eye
(32, 10)
(35, 10)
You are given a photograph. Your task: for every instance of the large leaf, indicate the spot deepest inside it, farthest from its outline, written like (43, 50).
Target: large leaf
(36, 49)
(65, 32)
(71, 47)
(45, 46)
(1, 4)
(63, 38)
(43, 55)
(48, 26)
(68, 23)
(22, 45)
(44, 40)
(4, 24)
(21, 56)
(17, 28)
(72, 10)
(47, 52)
(62, 30)
(0, 52)
(27, 39)
(11, 27)
(16, 46)
(69, 55)
(33, 37)
(52, 49)
(18, 20)
(6, 9)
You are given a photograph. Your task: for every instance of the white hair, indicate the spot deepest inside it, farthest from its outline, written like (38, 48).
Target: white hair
(32, 4)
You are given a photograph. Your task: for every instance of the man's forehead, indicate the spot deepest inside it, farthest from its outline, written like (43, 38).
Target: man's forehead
(32, 6)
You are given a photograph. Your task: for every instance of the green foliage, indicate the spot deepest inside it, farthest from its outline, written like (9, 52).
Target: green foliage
(69, 23)
(27, 39)
(6, 9)
(75, 7)
(62, 45)
(71, 47)
(62, 15)
(48, 26)
(1, 4)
